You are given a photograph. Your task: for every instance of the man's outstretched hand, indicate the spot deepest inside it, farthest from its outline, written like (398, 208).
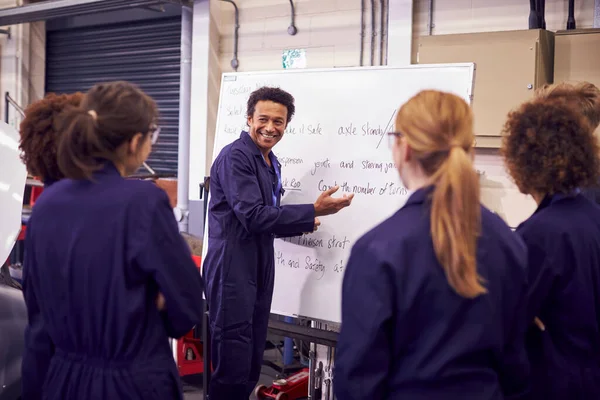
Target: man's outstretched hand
(327, 205)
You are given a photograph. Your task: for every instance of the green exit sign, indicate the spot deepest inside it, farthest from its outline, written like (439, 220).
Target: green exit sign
(294, 58)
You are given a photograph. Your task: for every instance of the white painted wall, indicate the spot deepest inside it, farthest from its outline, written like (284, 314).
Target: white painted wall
(328, 29)
(400, 32)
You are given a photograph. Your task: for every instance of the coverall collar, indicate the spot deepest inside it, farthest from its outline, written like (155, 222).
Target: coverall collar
(249, 143)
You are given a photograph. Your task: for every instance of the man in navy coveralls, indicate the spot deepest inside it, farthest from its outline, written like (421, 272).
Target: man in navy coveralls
(244, 218)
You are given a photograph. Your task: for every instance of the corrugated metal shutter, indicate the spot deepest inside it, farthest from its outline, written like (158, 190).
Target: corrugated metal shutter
(147, 53)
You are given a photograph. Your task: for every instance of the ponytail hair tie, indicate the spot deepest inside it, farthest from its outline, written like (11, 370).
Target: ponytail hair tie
(93, 114)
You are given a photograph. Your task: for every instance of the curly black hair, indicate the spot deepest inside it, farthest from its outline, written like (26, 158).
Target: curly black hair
(276, 95)
(549, 147)
(39, 134)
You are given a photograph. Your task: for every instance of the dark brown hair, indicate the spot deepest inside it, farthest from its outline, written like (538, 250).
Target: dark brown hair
(273, 94)
(438, 127)
(110, 115)
(39, 134)
(549, 147)
(583, 96)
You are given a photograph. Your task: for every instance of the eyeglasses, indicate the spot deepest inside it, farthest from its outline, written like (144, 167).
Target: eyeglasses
(392, 136)
(154, 131)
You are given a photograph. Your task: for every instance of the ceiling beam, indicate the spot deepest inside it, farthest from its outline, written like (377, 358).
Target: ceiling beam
(51, 9)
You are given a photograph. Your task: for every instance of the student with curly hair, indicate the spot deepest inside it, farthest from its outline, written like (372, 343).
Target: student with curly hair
(38, 144)
(39, 135)
(551, 152)
(585, 98)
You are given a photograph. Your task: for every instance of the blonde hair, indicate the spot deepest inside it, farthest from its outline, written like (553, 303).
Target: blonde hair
(583, 96)
(438, 127)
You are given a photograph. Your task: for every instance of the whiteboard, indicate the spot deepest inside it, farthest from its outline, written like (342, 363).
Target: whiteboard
(337, 137)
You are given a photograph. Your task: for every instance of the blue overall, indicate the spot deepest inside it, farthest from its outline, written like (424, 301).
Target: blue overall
(563, 238)
(244, 218)
(406, 334)
(96, 256)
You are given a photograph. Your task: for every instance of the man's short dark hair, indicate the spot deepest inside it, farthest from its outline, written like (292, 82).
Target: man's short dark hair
(275, 95)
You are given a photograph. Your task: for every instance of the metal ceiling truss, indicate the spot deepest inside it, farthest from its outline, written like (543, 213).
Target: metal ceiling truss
(50, 9)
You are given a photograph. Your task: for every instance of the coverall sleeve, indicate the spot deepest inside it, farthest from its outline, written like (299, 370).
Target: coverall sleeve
(363, 354)
(242, 190)
(514, 369)
(542, 258)
(39, 348)
(166, 257)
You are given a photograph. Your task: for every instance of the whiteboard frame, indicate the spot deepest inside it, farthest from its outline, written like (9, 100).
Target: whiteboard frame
(225, 75)
(470, 65)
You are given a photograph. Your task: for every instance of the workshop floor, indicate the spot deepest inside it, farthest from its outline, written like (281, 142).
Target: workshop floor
(193, 391)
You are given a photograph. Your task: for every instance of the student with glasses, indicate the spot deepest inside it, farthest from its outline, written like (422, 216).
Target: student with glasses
(432, 297)
(99, 250)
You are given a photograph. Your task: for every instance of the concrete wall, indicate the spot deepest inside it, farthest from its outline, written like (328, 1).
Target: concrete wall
(328, 29)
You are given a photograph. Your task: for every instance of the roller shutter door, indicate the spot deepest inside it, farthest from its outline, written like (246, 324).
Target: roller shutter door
(147, 53)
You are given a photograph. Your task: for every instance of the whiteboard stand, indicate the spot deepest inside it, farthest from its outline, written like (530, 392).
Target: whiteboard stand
(304, 333)
(206, 353)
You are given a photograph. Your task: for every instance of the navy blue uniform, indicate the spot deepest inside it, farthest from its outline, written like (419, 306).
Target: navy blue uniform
(563, 238)
(96, 256)
(406, 334)
(592, 193)
(243, 219)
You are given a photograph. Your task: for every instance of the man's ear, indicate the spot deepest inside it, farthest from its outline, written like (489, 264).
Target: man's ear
(249, 121)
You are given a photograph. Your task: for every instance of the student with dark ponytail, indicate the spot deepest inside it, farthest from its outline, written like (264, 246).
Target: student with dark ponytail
(431, 299)
(98, 252)
(116, 123)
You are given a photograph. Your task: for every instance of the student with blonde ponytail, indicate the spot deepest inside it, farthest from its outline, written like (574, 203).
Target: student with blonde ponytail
(431, 296)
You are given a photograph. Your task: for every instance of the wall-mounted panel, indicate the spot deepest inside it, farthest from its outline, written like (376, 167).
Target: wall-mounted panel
(577, 56)
(509, 67)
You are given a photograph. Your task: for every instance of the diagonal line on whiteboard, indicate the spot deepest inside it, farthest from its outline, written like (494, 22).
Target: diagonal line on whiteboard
(386, 128)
